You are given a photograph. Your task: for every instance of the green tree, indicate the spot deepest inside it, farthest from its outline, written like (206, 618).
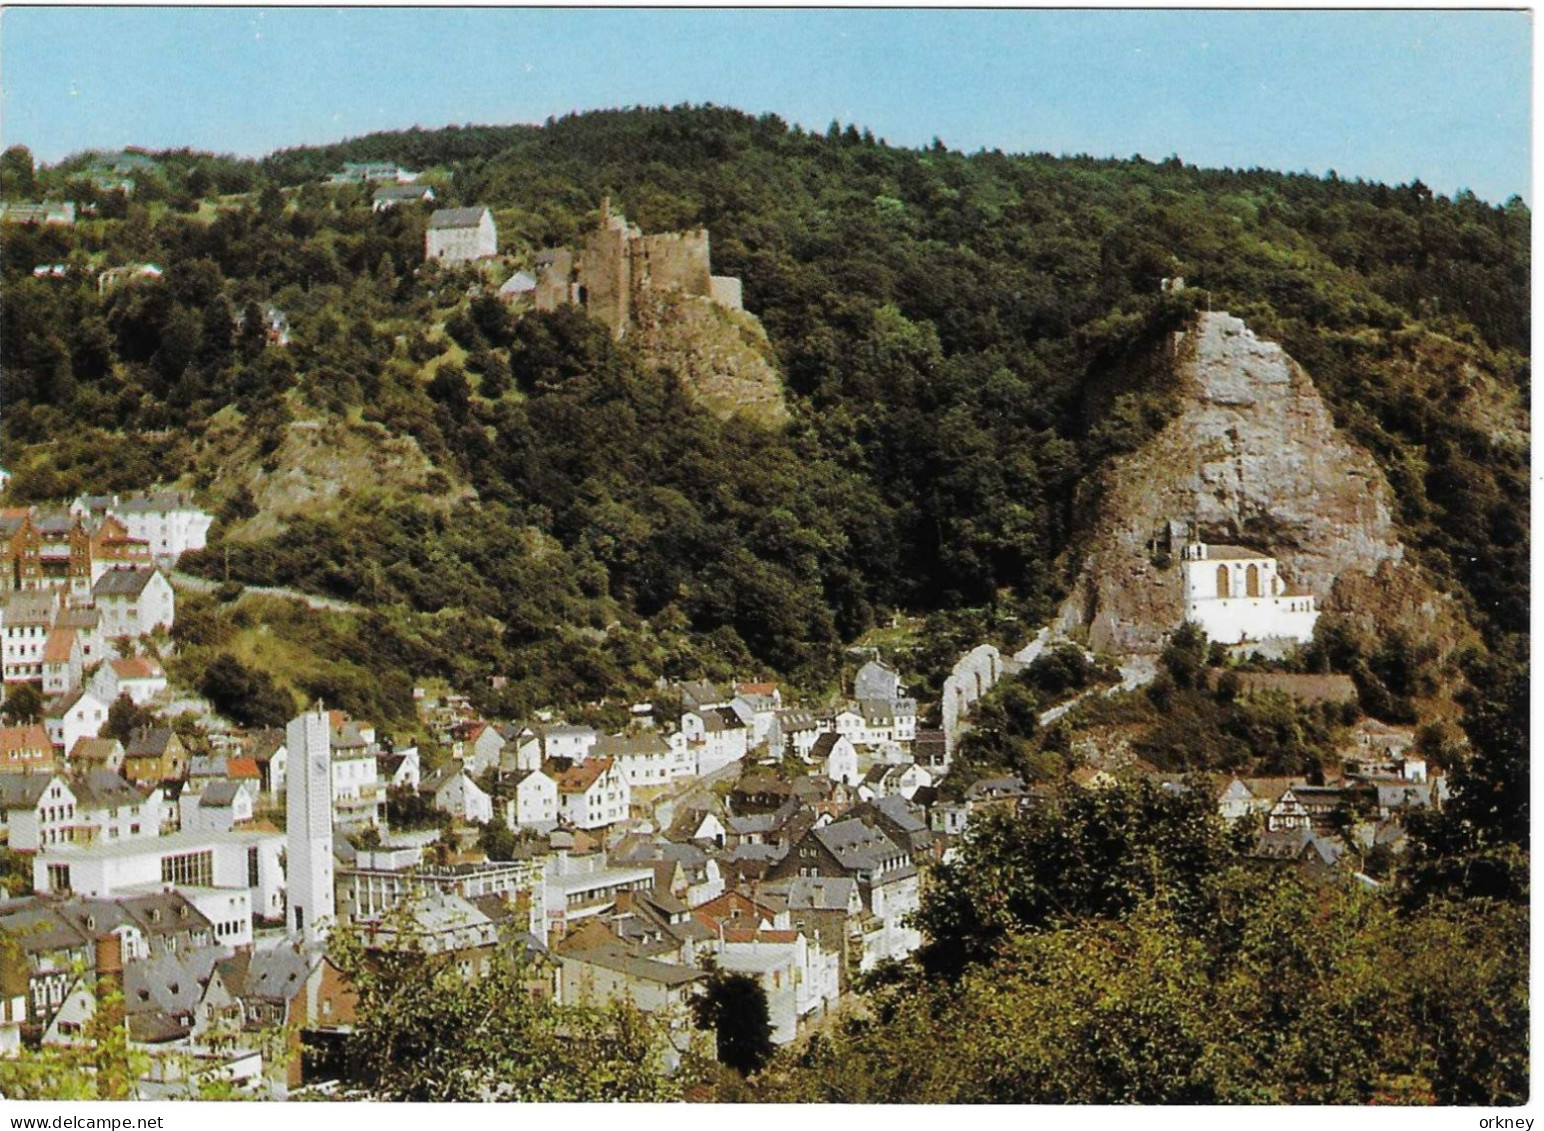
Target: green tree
(124, 717)
(23, 704)
(1093, 855)
(735, 1007)
(425, 1032)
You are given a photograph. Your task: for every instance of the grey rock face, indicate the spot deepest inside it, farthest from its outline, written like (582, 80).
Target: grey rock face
(1253, 458)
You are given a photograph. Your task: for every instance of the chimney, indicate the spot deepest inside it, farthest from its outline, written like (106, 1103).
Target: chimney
(109, 963)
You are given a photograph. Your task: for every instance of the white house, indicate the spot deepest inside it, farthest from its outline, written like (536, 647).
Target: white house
(593, 794)
(108, 808)
(80, 714)
(392, 195)
(460, 235)
(535, 803)
(717, 735)
(220, 806)
(566, 740)
(1236, 594)
(38, 810)
(141, 678)
(801, 980)
(483, 748)
(133, 601)
(358, 797)
(896, 779)
(26, 620)
(166, 520)
(400, 769)
(63, 661)
(643, 759)
(877, 680)
(795, 729)
(453, 791)
(838, 758)
(757, 705)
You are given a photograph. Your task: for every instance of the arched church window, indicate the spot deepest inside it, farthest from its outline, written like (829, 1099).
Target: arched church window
(1252, 581)
(1222, 581)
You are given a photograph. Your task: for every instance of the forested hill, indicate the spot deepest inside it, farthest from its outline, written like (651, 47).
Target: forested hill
(962, 339)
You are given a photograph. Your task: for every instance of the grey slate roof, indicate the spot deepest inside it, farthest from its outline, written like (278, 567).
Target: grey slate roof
(219, 794)
(821, 893)
(825, 744)
(856, 846)
(23, 791)
(129, 582)
(104, 789)
(456, 218)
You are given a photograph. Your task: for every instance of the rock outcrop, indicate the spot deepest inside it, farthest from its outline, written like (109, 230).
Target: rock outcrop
(1253, 457)
(722, 357)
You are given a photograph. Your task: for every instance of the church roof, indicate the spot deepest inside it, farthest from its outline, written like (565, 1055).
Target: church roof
(1234, 553)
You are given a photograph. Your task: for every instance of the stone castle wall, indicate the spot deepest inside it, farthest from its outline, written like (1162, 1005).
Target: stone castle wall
(673, 261)
(618, 266)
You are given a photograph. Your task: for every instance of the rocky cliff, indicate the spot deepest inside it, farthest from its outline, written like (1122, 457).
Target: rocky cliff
(1252, 457)
(722, 357)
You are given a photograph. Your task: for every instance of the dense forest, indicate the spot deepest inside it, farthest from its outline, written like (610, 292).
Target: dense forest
(952, 330)
(962, 341)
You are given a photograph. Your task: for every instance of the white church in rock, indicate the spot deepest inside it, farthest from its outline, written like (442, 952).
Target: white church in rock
(1236, 595)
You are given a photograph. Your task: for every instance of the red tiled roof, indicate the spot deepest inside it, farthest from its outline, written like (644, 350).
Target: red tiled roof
(25, 748)
(58, 646)
(138, 667)
(756, 688)
(751, 935)
(238, 768)
(583, 776)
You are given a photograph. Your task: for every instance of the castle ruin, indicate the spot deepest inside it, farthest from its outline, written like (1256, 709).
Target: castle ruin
(617, 267)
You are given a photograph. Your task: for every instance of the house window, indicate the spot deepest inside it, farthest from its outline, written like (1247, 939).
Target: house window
(59, 877)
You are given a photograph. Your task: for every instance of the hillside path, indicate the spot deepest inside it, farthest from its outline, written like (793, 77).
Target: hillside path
(310, 600)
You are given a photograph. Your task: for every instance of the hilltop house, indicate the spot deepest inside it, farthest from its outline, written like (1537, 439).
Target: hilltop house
(460, 235)
(392, 195)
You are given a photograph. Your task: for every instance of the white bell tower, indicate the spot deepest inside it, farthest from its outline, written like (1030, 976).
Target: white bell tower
(308, 825)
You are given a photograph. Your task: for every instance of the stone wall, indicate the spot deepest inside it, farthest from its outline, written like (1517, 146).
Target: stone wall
(672, 261)
(972, 677)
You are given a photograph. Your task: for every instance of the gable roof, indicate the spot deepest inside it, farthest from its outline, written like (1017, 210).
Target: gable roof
(21, 739)
(138, 667)
(647, 744)
(31, 607)
(220, 794)
(444, 218)
(580, 778)
(95, 750)
(124, 582)
(104, 789)
(23, 791)
(60, 643)
(856, 846)
(149, 742)
(821, 893)
(825, 744)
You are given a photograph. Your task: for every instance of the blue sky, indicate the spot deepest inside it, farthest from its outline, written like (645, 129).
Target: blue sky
(1386, 95)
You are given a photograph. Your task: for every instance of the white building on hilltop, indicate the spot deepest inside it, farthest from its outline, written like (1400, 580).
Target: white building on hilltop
(1236, 595)
(461, 235)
